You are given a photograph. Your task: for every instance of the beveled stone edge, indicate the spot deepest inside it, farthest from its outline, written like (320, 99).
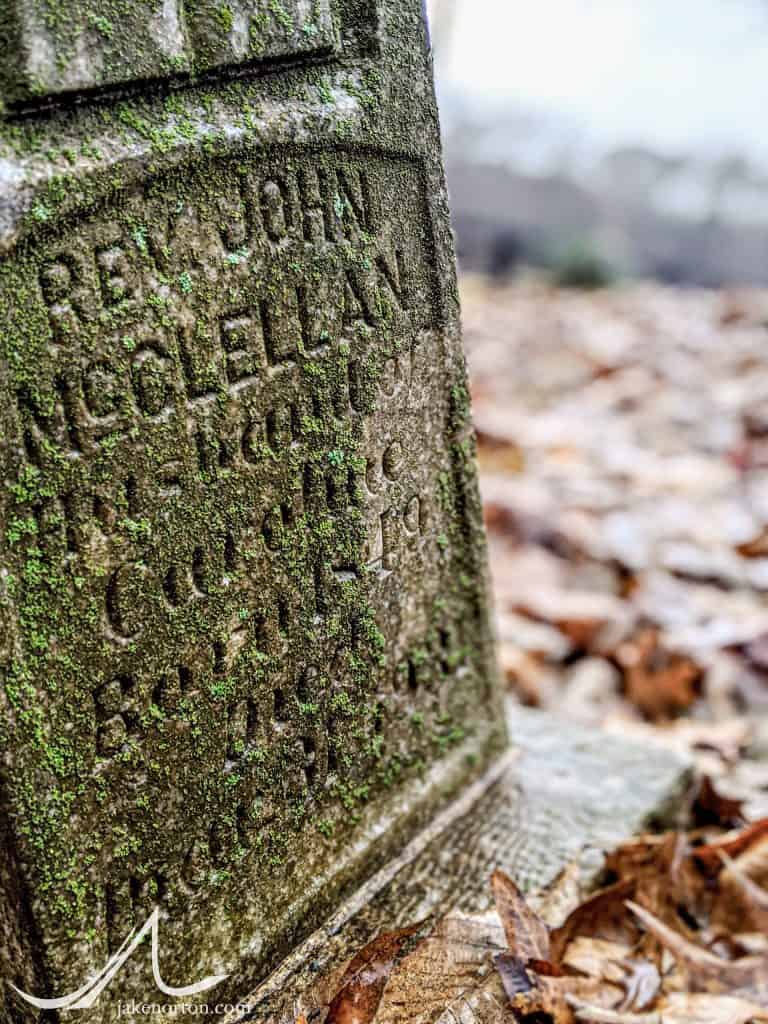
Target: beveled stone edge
(457, 809)
(521, 779)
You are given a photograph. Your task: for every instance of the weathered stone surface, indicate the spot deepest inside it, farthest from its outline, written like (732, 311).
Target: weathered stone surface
(570, 796)
(245, 650)
(252, 31)
(60, 46)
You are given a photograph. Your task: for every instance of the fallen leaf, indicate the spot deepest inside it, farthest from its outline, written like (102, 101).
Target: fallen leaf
(562, 895)
(530, 679)
(707, 1008)
(613, 960)
(531, 996)
(756, 651)
(642, 984)
(600, 916)
(587, 1012)
(709, 856)
(712, 808)
(661, 871)
(754, 899)
(598, 958)
(514, 975)
(527, 935)
(362, 985)
(702, 966)
(451, 967)
(660, 683)
(757, 547)
(753, 861)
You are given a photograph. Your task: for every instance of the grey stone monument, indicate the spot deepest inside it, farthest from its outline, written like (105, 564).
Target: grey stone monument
(243, 629)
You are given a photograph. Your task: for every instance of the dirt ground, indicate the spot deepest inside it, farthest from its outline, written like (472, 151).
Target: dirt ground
(623, 442)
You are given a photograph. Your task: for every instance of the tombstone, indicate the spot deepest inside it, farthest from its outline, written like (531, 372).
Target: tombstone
(245, 651)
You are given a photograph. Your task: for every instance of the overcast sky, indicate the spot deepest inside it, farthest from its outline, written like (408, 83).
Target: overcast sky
(676, 74)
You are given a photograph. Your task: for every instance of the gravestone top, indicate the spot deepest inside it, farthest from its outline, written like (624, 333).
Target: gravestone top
(54, 47)
(244, 639)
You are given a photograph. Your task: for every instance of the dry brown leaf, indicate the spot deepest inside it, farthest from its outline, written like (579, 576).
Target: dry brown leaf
(626, 983)
(660, 683)
(706, 1008)
(486, 1004)
(614, 960)
(753, 899)
(702, 966)
(563, 895)
(451, 967)
(664, 874)
(599, 958)
(638, 856)
(710, 855)
(362, 985)
(642, 984)
(754, 861)
(532, 997)
(712, 808)
(527, 935)
(757, 547)
(531, 680)
(601, 916)
(597, 991)
(516, 978)
(600, 1015)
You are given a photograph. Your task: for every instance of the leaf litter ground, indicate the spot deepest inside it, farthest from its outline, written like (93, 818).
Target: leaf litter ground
(678, 934)
(623, 445)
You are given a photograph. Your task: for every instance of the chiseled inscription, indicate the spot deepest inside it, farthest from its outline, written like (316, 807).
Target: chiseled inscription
(229, 530)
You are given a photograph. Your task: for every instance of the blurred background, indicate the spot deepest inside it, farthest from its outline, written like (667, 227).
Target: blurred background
(631, 130)
(608, 173)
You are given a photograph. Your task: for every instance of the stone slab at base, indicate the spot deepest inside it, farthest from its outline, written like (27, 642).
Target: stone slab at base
(565, 793)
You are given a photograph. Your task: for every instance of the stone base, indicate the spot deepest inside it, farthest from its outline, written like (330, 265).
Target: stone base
(564, 793)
